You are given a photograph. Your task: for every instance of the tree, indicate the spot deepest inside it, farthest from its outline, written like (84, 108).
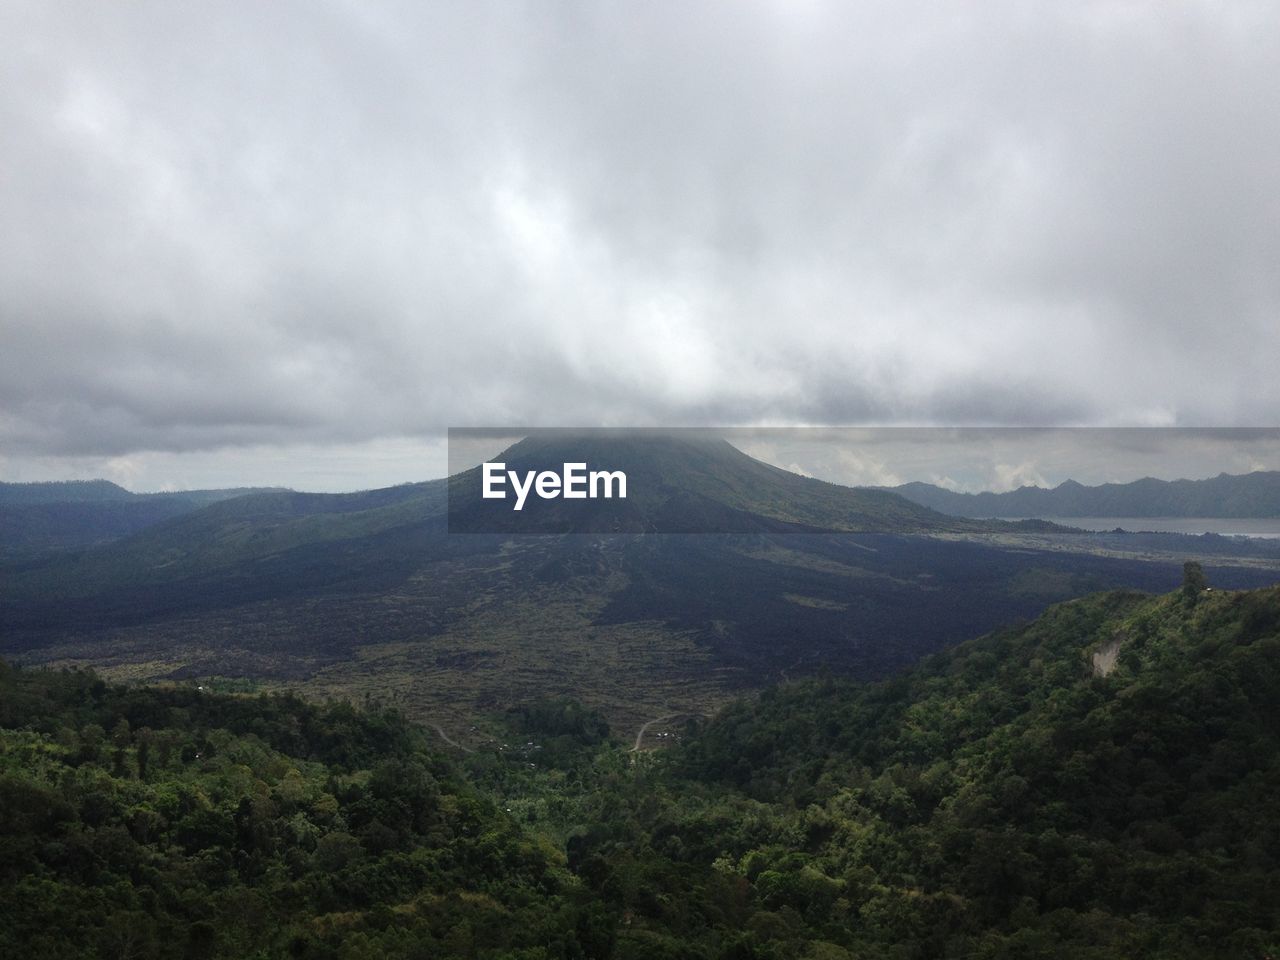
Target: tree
(1194, 581)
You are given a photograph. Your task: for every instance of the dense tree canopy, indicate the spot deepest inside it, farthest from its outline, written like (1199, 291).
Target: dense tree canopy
(1099, 783)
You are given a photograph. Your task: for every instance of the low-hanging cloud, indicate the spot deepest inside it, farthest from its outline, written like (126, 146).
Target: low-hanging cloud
(239, 225)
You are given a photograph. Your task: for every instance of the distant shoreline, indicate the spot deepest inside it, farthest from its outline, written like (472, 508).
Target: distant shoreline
(1265, 528)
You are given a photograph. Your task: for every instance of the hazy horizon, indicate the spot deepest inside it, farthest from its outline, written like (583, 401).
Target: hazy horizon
(969, 460)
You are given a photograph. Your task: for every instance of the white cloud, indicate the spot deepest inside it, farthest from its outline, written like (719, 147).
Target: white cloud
(1009, 476)
(301, 226)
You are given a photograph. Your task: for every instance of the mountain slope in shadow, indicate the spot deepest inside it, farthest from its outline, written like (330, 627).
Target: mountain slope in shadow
(367, 593)
(682, 482)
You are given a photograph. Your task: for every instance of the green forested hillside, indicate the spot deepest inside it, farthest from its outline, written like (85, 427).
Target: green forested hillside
(1099, 783)
(1006, 799)
(149, 823)
(38, 519)
(68, 491)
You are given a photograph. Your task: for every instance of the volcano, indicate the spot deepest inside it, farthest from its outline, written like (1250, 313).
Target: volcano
(370, 594)
(681, 482)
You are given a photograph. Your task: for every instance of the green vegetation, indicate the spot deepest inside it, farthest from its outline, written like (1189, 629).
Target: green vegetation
(41, 518)
(368, 594)
(1194, 582)
(171, 823)
(1009, 799)
(65, 491)
(1099, 783)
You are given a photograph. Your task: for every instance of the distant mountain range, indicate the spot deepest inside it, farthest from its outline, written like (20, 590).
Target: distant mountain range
(62, 491)
(104, 491)
(369, 594)
(1251, 495)
(68, 515)
(709, 486)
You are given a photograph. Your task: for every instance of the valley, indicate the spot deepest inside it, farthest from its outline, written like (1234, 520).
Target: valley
(374, 597)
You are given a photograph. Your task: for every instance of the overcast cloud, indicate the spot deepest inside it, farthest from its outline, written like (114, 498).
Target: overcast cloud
(251, 237)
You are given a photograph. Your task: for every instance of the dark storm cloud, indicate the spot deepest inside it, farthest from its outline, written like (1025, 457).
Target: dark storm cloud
(233, 226)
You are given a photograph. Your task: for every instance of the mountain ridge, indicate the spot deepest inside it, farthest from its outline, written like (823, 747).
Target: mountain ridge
(351, 594)
(684, 483)
(38, 518)
(99, 489)
(1253, 495)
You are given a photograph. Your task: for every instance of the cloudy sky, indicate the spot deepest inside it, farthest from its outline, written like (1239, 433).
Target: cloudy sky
(967, 459)
(293, 242)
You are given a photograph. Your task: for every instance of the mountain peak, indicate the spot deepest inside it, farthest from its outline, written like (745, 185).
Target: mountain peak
(678, 482)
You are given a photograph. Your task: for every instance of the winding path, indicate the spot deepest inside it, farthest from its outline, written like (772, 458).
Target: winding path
(448, 739)
(647, 725)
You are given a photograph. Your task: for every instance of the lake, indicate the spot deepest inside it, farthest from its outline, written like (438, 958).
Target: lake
(1268, 527)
